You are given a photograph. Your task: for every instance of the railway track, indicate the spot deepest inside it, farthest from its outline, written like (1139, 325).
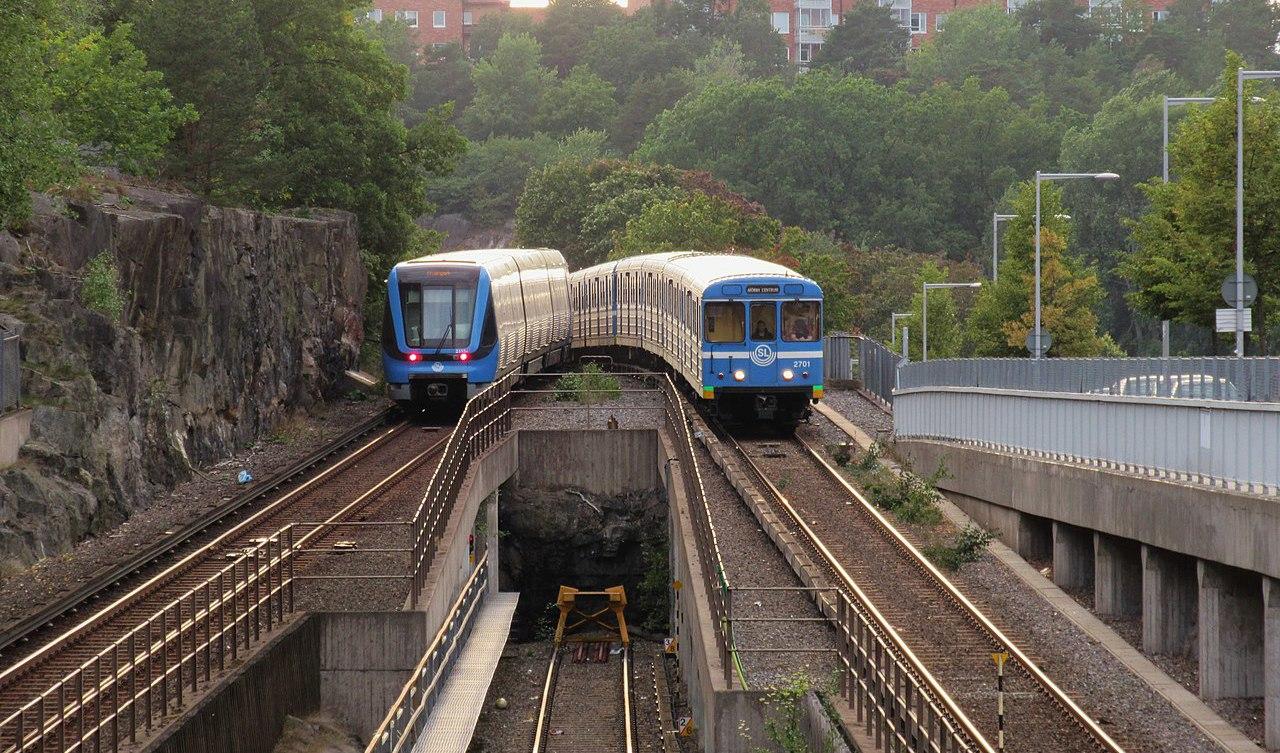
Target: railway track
(947, 636)
(586, 704)
(373, 472)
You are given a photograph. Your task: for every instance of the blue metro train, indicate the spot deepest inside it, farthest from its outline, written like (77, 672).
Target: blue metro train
(744, 334)
(455, 322)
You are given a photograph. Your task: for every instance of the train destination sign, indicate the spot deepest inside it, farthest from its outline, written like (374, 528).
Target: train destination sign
(757, 289)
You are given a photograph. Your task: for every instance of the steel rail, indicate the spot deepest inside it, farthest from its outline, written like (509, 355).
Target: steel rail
(627, 722)
(14, 671)
(544, 706)
(1047, 685)
(150, 553)
(863, 602)
(293, 548)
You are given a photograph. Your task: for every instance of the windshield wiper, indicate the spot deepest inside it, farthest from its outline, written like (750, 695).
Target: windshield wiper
(447, 332)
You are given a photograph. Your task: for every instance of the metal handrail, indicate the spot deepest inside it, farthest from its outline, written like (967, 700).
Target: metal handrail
(716, 580)
(85, 710)
(895, 685)
(406, 718)
(484, 421)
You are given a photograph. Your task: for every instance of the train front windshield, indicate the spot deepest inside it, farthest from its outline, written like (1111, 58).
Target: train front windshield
(438, 314)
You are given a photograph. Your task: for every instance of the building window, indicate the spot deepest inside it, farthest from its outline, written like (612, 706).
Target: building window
(815, 18)
(782, 23)
(919, 23)
(467, 19)
(410, 17)
(374, 15)
(1159, 15)
(1013, 6)
(808, 50)
(939, 21)
(437, 19)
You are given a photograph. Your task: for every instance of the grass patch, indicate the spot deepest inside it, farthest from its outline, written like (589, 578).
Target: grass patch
(911, 498)
(588, 385)
(101, 286)
(965, 547)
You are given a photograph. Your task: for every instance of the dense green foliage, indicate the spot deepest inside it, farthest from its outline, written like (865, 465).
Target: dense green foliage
(101, 287)
(73, 94)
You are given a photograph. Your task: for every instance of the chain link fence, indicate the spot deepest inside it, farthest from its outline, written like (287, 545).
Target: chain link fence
(1240, 379)
(10, 371)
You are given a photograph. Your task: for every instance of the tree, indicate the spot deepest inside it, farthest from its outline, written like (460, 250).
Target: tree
(1062, 22)
(945, 333)
(510, 86)
(1186, 241)
(624, 53)
(491, 28)
(750, 26)
(443, 76)
(71, 95)
(567, 27)
(869, 42)
(1005, 310)
(697, 223)
(647, 98)
(581, 101)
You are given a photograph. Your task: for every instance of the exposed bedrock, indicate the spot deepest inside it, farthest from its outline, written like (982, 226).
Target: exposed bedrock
(231, 320)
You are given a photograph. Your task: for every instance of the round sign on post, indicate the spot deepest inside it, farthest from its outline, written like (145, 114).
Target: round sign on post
(1046, 341)
(1229, 290)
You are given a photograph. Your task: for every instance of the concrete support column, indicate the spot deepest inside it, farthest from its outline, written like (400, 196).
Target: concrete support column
(1072, 556)
(1231, 653)
(1271, 651)
(491, 539)
(1169, 602)
(1117, 579)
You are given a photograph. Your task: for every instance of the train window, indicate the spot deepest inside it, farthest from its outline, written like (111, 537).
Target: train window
(725, 322)
(411, 314)
(801, 321)
(764, 320)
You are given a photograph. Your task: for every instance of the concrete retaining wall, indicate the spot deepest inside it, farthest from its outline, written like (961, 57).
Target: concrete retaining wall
(364, 661)
(609, 461)
(15, 430)
(245, 712)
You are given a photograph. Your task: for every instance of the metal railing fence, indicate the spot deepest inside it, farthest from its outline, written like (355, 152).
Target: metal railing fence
(408, 716)
(715, 581)
(10, 370)
(1221, 443)
(485, 420)
(1254, 379)
(141, 678)
(878, 369)
(837, 359)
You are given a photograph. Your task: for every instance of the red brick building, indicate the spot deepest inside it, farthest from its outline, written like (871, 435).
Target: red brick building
(440, 22)
(922, 17)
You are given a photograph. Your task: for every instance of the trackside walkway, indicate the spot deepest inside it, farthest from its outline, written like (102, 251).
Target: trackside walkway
(453, 721)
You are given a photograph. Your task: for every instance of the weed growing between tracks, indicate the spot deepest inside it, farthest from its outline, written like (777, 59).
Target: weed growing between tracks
(588, 386)
(914, 500)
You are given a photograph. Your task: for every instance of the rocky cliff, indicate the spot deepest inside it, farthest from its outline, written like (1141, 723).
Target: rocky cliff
(231, 319)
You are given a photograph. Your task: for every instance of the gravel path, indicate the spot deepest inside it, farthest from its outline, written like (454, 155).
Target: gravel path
(639, 406)
(27, 592)
(1121, 702)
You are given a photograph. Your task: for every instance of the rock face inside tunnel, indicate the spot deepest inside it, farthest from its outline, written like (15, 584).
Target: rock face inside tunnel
(550, 537)
(231, 320)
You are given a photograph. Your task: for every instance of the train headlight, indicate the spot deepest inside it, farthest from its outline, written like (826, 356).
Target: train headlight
(788, 374)
(740, 375)
(464, 356)
(415, 357)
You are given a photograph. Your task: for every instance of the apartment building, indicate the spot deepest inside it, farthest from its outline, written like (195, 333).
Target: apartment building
(804, 24)
(441, 22)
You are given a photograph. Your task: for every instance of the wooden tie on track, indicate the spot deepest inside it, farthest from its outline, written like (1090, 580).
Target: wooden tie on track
(945, 632)
(183, 624)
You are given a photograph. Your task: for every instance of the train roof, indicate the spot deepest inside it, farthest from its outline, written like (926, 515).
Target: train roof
(698, 268)
(526, 258)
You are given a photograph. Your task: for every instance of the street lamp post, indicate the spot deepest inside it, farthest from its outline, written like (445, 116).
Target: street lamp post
(1241, 76)
(924, 310)
(996, 219)
(1053, 176)
(1175, 101)
(893, 326)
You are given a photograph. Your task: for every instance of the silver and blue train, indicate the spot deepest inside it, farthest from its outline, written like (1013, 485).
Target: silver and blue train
(457, 321)
(744, 334)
